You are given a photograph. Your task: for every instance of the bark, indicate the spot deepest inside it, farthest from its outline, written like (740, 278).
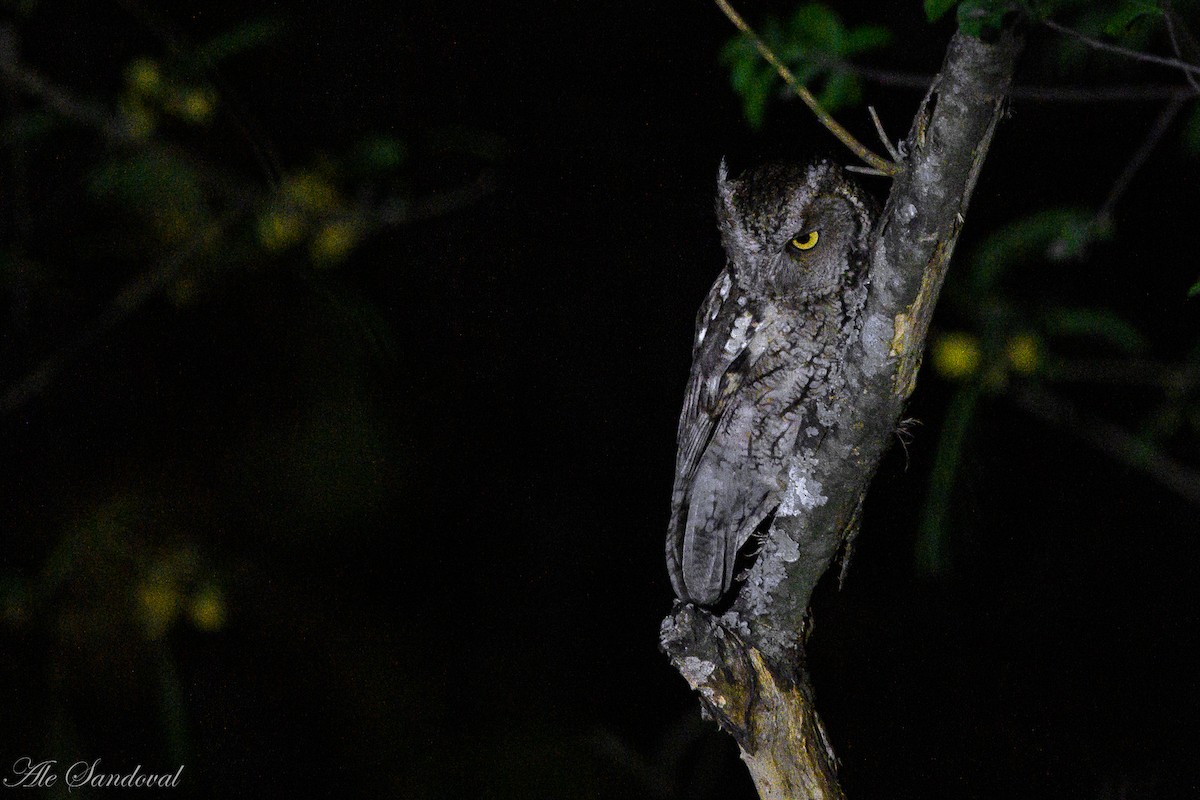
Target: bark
(748, 664)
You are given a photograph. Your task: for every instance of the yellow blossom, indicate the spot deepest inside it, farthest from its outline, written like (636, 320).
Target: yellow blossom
(206, 609)
(159, 604)
(143, 76)
(196, 105)
(1023, 353)
(311, 192)
(278, 230)
(171, 224)
(956, 355)
(139, 120)
(334, 241)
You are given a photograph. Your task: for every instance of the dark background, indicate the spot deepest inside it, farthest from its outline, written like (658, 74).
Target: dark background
(434, 482)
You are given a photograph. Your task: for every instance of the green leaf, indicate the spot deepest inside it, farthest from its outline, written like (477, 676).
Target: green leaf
(841, 89)
(1098, 323)
(1191, 131)
(936, 9)
(743, 61)
(984, 19)
(771, 33)
(1071, 57)
(26, 127)
(21, 8)
(1043, 9)
(1127, 15)
(864, 39)
(933, 533)
(1075, 236)
(754, 98)
(379, 154)
(231, 43)
(812, 42)
(1056, 234)
(750, 77)
(162, 192)
(148, 180)
(463, 140)
(817, 27)
(739, 55)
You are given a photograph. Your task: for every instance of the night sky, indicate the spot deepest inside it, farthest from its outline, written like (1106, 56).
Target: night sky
(435, 480)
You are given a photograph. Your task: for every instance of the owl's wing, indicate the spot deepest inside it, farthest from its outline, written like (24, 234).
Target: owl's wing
(721, 368)
(718, 360)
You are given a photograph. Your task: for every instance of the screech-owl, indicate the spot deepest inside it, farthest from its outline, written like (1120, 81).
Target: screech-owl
(767, 373)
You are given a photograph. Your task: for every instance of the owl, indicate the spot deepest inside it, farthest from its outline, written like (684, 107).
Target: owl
(767, 378)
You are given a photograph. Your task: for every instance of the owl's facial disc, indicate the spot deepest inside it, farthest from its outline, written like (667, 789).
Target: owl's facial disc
(811, 259)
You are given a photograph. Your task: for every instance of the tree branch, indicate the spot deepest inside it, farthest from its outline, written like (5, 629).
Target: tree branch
(748, 663)
(124, 305)
(1110, 439)
(1119, 93)
(1176, 36)
(1097, 44)
(1138, 160)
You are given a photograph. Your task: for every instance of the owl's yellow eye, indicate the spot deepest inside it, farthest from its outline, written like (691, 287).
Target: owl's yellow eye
(806, 242)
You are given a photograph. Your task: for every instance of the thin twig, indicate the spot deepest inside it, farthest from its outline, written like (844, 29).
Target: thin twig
(1107, 94)
(1110, 439)
(918, 81)
(85, 113)
(1120, 372)
(1122, 51)
(402, 211)
(867, 171)
(883, 137)
(1169, 17)
(1186, 40)
(846, 138)
(1165, 117)
(1121, 93)
(131, 297)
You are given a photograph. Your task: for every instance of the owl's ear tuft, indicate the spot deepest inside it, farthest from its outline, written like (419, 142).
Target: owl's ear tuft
(725, 189)
(724, 185)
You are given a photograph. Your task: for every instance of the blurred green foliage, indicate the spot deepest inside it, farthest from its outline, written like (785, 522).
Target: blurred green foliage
(248, 36)
(156, 194)
(1055, 234)
(1012, 338)
(1124, 18)
(816, 45)
(1191, 130)
(984, 19)
(820, 48)
(936, 9)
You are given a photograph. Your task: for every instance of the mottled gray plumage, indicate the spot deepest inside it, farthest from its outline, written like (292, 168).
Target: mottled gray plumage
(767, 361)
